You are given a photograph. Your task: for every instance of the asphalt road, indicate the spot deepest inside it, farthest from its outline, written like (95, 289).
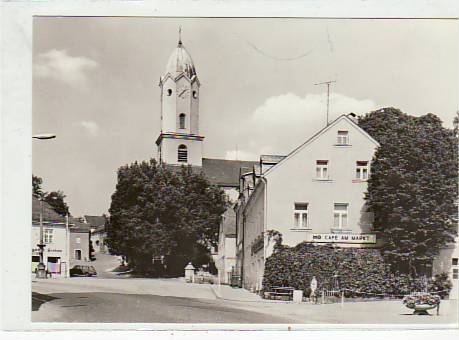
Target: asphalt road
(114, 307)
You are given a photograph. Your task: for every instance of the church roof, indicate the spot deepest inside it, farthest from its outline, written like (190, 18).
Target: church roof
(95, 221)
(180, 62)
(221, 172)
(224, 172)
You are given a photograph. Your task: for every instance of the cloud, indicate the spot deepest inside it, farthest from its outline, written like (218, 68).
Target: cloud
(58, 65)
(90, 127)
(283, 122)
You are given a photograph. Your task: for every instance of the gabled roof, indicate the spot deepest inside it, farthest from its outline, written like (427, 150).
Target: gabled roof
(224, 172)
(95, 221)
(319, 133)
(220, 172)
(49, 215)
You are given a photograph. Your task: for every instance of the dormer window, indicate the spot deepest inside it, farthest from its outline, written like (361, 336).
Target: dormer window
(182, 154)
(343, 137)
(182, 118)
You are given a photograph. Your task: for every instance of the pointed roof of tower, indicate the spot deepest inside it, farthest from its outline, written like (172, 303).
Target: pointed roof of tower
(180, 62)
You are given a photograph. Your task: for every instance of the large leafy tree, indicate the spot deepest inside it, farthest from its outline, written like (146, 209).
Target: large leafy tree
(413, 186)
(160, 211)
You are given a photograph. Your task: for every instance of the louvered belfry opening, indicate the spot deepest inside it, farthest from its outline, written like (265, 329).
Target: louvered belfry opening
(182, 154)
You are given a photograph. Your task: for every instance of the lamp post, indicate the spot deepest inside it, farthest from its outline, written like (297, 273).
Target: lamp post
(41, 268)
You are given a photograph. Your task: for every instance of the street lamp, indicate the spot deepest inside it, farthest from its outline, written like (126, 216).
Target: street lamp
(41, 268)
(44, 136)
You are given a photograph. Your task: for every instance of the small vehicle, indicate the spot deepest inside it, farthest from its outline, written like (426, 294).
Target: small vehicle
(80, 270)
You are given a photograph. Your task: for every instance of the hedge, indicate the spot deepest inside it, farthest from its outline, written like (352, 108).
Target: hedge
(358, 269)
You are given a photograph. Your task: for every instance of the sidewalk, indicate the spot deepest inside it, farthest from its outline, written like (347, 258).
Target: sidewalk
(225, 292)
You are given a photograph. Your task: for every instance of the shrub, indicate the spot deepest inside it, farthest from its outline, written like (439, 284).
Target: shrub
(353, 269)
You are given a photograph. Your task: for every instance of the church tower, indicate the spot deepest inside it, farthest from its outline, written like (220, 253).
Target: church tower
(179, 141)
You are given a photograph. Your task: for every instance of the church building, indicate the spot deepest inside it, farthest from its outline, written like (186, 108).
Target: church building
(180, 142)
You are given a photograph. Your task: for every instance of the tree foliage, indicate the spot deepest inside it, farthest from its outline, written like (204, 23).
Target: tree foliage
(158, 211)
(54, 198)
(412, 189)
(37, 190)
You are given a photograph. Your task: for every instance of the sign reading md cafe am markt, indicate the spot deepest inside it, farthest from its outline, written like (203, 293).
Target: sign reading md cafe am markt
(342, 238)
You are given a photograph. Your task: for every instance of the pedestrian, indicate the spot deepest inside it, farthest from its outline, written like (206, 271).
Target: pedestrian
(313, 286)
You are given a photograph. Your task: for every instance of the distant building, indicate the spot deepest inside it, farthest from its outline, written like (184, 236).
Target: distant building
(98, 233)
(55, 237)
(226, 257)
(66, 242)
(79, 243)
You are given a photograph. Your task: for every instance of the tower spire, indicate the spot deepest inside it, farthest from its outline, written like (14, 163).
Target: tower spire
(180, 35)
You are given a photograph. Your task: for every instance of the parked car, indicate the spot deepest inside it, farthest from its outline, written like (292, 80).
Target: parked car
(79, 270)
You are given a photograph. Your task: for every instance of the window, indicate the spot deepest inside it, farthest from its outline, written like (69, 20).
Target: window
(97, 242)
(322, 169)
(78, 240)
(300, 216)
(340, 215)
(455, 274)
(48, 236)
(182, 117)
(454, 261)
(169, 92)
(182, 154)
(195, 94)
(343, 137)
(361, 170)
(77, 254)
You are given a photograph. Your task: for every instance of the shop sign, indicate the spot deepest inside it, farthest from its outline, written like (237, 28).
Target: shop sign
(343, 238)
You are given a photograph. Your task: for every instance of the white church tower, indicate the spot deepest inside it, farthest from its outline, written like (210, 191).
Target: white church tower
(179, 141)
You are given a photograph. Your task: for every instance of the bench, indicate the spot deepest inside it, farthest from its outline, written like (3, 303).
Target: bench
(280, 293)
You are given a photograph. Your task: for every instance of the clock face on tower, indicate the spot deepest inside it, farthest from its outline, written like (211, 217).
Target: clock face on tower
(183, 93)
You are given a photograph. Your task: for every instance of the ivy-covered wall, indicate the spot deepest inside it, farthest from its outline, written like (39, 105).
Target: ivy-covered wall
(357, 269)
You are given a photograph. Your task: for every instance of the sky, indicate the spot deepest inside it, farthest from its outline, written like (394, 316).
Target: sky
(95, 85)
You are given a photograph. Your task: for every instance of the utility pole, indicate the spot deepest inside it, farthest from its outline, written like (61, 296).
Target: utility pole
(328, 94)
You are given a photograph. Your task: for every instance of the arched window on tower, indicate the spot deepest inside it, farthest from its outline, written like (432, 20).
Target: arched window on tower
(182, 154)
(182, 117)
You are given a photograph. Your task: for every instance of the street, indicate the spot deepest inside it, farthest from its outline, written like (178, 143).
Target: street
(117, 298)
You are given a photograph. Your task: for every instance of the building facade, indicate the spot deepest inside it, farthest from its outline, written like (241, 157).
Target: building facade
(55, 237)
(98, 233)
(314, 194)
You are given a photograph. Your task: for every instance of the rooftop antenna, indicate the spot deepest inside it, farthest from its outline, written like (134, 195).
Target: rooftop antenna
(328, 94)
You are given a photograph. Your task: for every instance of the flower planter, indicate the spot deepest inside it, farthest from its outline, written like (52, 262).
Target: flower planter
(421, 302)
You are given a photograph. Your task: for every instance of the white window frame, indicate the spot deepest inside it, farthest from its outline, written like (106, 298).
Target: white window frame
(340, 214)
(322, 169)
(362, 171)
(343, 137)
(299, 216)
(48, 235)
